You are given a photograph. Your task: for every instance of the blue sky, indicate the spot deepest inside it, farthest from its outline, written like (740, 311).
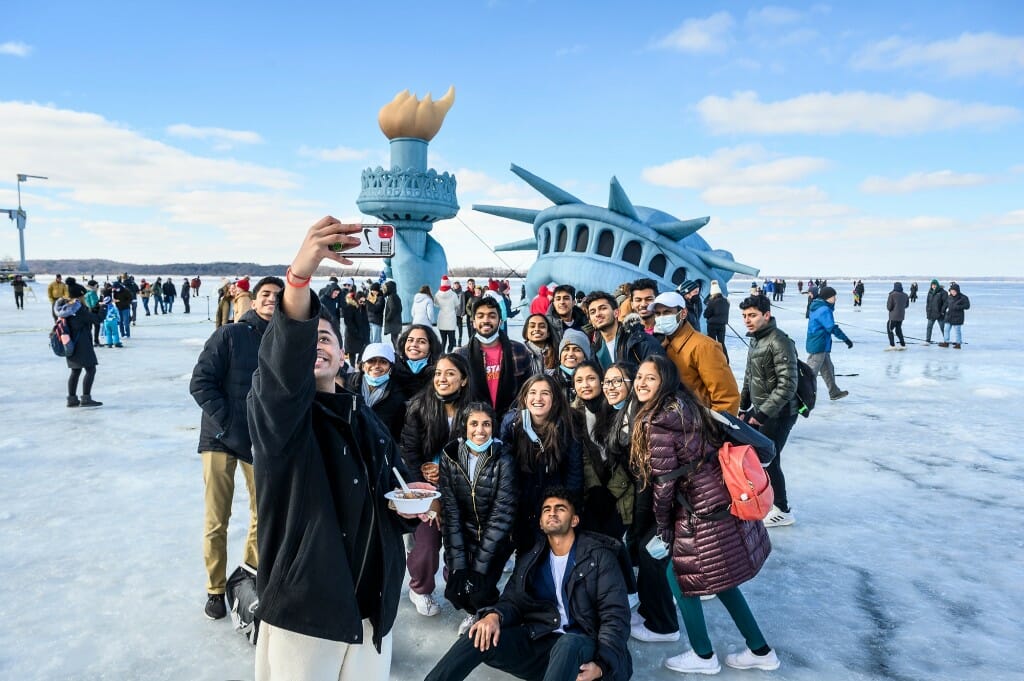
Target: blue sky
(841, 139)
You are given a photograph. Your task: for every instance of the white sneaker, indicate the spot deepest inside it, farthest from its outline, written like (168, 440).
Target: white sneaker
(692, 663)
(708, 597)
(779, 518)
(748, 660)
(641, 633)
(635, 619)
(425, 603)
(634, 600)
(466, 624)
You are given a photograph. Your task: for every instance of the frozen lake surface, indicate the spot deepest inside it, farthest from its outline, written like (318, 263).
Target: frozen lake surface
(905, 561)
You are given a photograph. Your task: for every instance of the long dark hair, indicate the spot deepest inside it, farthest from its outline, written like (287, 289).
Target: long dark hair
(459, 426)
(675, 396)
(550, 345)
(561, 426)
(431, 409)
(432, 339)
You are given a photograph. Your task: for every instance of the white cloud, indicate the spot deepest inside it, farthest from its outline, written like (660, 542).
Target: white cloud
(15, 49)
(966, 55)
(920, 181)
(700, 35)
(833, 113)
(222, 138)
(1014, 218)
(806, 210)
(741, 165)
(335, 154)
(774, 16)
(736, 195)
(570, 51)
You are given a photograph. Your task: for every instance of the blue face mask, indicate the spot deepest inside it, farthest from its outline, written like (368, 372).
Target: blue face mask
(417, 365)
(566, 370)
(620, 405)
(376, 381)
(480, 449)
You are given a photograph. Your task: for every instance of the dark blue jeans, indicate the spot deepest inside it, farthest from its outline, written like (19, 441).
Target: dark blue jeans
(168, 303)
(554, 657)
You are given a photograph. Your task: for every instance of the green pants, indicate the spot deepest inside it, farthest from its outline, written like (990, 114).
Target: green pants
(696, 627)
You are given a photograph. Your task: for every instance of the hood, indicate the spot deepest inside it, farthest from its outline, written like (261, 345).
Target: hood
(819, 302)
(420, 297)
(935, 283)
(954, 287)
(897, 287)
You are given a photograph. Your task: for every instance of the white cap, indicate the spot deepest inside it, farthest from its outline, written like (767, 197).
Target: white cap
(668, 299)
(715, 288)
(350, 281)
(374, 350)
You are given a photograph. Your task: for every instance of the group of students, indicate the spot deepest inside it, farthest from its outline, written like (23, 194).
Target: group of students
(597, 410)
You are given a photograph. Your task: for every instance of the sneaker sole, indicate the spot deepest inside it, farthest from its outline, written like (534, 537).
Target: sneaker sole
(765, 667)
(683, 670)
(660, 638)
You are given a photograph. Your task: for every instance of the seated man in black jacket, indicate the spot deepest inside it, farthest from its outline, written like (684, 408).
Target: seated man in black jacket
(537, 630)
(331, 558)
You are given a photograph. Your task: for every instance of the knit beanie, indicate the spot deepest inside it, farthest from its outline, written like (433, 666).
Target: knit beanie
(716, 290)
(445, 283)
(242, 284)
(826, 292)
(575, 337)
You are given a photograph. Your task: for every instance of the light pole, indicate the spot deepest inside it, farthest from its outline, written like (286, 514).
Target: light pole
(21, 217)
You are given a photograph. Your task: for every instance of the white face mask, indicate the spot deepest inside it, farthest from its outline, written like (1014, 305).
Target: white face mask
(487, 340)
(666, 324)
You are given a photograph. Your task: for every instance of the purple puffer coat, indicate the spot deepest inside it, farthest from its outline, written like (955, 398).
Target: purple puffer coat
(708, 556)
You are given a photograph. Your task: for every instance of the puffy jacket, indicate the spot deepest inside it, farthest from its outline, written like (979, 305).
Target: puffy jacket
(533, 483)
(771, 376)
(935, 305)
(477, 514)
(717, 310)
(221, 381)
(80, 328)
(415, 448)
(392, 309)
(821, 326)
(56, 290)
(330, 550)
(708, 556)
(595, 594)
(897, 304)
(955, 306)
(447, 308)
(704, 369)
(423, 311)
(375, 309)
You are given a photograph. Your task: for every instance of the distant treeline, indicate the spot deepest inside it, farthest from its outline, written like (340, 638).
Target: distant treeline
(103, 268)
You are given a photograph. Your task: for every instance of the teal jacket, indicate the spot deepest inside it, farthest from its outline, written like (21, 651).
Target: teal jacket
(821, 326)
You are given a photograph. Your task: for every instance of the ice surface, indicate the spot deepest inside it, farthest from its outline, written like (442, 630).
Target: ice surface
(905, 561)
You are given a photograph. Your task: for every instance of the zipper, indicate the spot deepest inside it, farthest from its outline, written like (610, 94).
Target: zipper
(373, 514)
(472, 489)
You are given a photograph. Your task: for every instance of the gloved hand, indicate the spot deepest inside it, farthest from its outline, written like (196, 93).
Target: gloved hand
(474, 583)
(657, 548)
(456, 585)
(849, 343)
(631, 320)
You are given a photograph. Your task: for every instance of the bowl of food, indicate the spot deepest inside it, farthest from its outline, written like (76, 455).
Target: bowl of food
(412, 502)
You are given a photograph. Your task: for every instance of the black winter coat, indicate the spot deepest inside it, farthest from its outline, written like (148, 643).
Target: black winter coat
(694, 311)
(221, 381)
(477, 515)
(408, 382)
(717, 310)
(935, 305)
(169, 289)
(416, 451)
(80, 326)
(357, 328)
(392, 310)
(375, 310)
(632, 345)
(597, 603)
(390, 409)
(330, 550)
(955, 306)
(532, 483)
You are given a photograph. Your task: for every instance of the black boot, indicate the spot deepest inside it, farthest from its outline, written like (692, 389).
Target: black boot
(87, 401)
(73, 401)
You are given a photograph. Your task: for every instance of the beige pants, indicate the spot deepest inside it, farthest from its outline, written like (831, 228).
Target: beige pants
(283, 655)
(219, 477)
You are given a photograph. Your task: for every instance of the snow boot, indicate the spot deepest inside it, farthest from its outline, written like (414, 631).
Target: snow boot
(87, 401)
(73, 401)
(956, 346)
(943, 345)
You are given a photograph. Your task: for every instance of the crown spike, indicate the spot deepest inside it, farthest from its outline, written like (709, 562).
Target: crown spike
(556, 195)
(527, 215)
(619, 202)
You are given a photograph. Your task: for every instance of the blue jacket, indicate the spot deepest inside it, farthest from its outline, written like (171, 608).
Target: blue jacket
(821, 326)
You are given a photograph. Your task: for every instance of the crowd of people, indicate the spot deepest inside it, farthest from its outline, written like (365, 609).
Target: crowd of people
(581, 457)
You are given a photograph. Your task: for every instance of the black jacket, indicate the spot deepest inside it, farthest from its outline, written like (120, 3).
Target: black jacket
(220, 383)
(935, 305)
(415, 448)
(169, 288)
(558, 327)
(80, 328)
(330, 551)
(375, 310)
(357, 328)
(390, 409)
(770, 379)
(694, 311)
(408, 382)
(477, 514)
(717, 310)
(597, 604)
(632, 345)
(953, 313)
(392, 309)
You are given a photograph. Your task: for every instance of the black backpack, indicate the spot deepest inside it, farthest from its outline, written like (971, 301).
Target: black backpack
(806, 388)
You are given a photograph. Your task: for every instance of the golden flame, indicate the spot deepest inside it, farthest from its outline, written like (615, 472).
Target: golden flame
(406, 116)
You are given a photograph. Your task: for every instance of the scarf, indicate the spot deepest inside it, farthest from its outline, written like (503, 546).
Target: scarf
(478, 374)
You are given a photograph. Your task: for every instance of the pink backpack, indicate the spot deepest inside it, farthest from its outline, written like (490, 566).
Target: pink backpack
(747, 482)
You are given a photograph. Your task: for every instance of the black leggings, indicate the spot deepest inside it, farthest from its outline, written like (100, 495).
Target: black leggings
(90, 374)
(897, 328)
(447, 340)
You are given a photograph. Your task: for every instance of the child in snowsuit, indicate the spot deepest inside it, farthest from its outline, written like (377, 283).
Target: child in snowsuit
(110, 324)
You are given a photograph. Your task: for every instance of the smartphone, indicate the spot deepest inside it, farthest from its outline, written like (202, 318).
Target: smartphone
(375, 241)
